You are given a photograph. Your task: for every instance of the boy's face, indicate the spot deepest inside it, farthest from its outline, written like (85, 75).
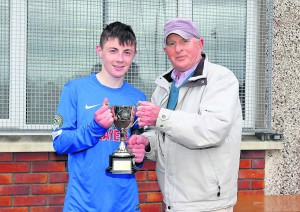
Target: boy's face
(116, 59)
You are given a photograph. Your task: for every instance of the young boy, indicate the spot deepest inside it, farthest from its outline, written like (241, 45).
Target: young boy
(83, 128)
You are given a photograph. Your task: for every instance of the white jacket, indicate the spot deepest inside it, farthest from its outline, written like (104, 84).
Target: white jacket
(197, 146)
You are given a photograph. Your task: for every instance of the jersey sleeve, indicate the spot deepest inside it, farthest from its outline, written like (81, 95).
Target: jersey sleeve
(67, 138)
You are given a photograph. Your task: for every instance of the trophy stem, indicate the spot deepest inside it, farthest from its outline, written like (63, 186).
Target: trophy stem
(122, 146)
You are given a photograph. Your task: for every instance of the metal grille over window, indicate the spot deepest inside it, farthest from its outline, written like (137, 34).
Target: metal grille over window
(4, 60)
(46, 43)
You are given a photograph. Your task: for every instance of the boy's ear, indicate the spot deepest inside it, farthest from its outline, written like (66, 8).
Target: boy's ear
(99, 51)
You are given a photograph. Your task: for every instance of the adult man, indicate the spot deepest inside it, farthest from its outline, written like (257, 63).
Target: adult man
(83, 128)
(195, 125)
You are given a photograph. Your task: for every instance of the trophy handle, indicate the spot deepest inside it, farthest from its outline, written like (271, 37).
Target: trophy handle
(133, 123)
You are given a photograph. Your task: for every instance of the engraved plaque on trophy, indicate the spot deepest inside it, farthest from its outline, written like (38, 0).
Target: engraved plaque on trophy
(121, 161)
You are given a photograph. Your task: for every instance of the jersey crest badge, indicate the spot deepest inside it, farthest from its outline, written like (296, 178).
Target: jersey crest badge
(57, 122)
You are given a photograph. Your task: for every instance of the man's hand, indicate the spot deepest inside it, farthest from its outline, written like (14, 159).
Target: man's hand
(136, 145)
(147, 113)
(103, 116)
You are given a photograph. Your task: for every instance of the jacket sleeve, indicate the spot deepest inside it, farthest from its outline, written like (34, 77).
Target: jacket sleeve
(67, 138)
(209, 126)
(150, 133)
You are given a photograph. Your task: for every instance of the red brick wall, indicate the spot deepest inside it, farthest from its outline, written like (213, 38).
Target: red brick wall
(252, 172)
(36, 182)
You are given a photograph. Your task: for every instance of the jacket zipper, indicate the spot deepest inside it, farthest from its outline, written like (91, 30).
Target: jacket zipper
(219, 187)
(219, 191)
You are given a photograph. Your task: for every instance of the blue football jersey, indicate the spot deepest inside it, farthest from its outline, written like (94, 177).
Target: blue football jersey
(88, 145)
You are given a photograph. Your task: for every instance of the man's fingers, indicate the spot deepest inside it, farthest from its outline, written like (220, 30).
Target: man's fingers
(145, 106)
(144, 103)
(138, 151)
(132, 140)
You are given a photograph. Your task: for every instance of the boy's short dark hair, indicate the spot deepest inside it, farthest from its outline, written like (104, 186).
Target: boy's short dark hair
(118, 30)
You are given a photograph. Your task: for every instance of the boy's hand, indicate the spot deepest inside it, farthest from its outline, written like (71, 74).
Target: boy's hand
(103, 116)
(136, 145)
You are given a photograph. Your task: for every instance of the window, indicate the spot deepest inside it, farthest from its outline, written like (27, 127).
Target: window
(4, 60)
(46, 43)
(236, 36)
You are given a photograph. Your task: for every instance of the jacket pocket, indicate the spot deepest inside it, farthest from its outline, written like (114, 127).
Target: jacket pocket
(213, 175)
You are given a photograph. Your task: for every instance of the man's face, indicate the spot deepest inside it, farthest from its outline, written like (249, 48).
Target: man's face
(182, 53)
(116, 59)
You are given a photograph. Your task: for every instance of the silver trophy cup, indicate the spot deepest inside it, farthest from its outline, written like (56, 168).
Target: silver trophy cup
(121, 161)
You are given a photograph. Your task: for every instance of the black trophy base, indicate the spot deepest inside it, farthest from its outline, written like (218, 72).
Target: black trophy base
(121, 164)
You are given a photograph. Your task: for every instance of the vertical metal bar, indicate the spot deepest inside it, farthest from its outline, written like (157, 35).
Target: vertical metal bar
(269, 62)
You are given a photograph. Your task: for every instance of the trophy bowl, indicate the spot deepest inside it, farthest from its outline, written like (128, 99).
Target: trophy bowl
(122, 161)
(124, 116)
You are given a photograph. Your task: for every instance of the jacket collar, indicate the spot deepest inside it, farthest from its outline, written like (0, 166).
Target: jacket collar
(197, 78)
